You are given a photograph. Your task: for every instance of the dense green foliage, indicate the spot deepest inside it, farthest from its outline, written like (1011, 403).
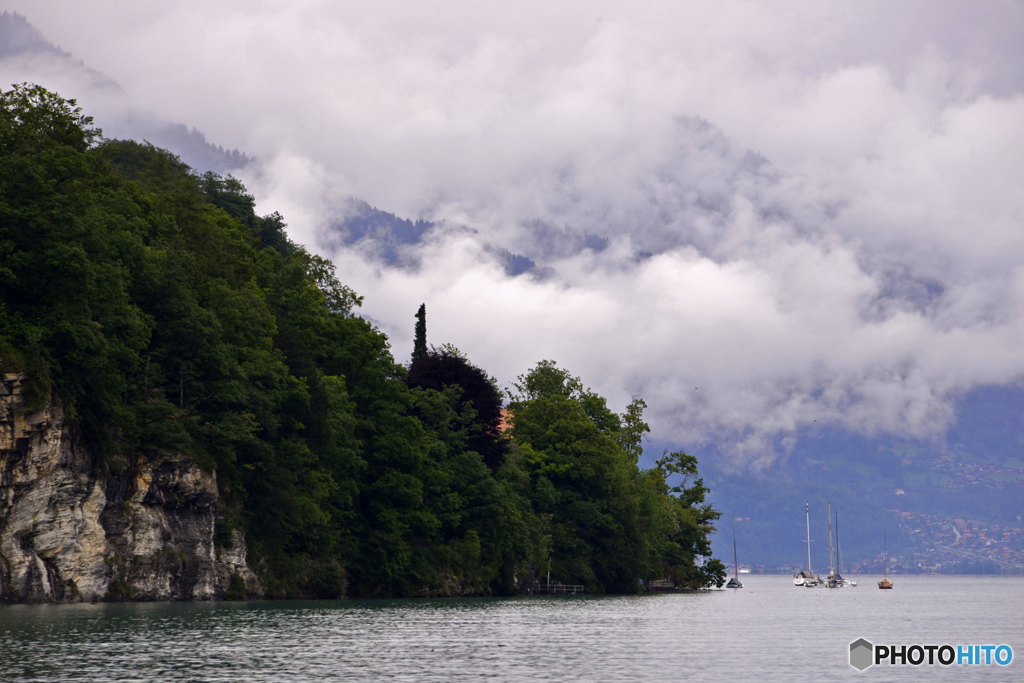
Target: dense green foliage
(164, 314)
(608, 523)
(440, 368)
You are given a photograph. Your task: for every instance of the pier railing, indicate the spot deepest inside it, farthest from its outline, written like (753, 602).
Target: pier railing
(559, 589)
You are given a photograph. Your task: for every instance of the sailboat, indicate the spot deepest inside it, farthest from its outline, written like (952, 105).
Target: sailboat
(839, 547)
(734, 582)
(885, 582)
(835, 578)
(807, 578)
(832, 580)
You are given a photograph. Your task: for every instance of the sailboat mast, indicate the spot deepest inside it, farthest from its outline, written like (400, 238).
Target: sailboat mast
(735, 557)
(885, 537)
(831, 567)
(839, 546)
(809, 570)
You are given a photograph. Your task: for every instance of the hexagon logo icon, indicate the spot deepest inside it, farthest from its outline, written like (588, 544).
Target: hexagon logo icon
(861, 654)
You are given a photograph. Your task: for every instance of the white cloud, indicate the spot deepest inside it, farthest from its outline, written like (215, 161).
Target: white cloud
(870, 267)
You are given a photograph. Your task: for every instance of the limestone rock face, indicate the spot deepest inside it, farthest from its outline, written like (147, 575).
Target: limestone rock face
(144, 533)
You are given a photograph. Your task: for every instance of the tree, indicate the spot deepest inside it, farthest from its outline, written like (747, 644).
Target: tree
(32, 118)
(71, 232)
(419, 346)
(582, 478)
(440, 368)
(633, 429)
(691, 488)
(686, 538)
(610, 522)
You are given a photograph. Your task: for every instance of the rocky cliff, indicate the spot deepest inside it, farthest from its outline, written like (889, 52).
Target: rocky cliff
(145, 532)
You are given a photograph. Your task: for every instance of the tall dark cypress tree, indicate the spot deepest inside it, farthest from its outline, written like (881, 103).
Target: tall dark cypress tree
(419, 346)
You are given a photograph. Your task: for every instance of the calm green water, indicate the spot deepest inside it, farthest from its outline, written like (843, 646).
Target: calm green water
(769, 630)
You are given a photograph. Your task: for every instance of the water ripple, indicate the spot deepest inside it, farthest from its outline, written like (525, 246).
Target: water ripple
(769, 630)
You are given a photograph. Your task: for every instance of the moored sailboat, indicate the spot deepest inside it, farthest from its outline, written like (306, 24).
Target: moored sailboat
(832, 580)
(839, 548)
(804, 578)
(885, 582)
(734, 582)
(835, 558)
(807, 579)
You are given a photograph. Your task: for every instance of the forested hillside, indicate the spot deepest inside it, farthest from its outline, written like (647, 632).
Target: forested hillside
(164, 314)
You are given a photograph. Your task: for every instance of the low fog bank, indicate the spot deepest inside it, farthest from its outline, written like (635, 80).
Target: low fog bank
(742, 301)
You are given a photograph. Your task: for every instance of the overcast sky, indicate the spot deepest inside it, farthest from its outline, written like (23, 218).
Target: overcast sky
(814, 210)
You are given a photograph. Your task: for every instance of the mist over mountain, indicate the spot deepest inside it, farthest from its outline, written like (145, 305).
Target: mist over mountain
(24, 44)
(27, 56)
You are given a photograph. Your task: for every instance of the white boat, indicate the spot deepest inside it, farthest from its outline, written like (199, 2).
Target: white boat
(839, 547)
(832, 580)
(807, 579)
(835, 578)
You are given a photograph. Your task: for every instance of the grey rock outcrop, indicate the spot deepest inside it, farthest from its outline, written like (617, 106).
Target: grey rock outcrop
(145, 532)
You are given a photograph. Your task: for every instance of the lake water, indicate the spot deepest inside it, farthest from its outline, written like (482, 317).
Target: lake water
(769, 630)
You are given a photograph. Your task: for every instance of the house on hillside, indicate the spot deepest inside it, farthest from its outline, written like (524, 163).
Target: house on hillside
(505, 421)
